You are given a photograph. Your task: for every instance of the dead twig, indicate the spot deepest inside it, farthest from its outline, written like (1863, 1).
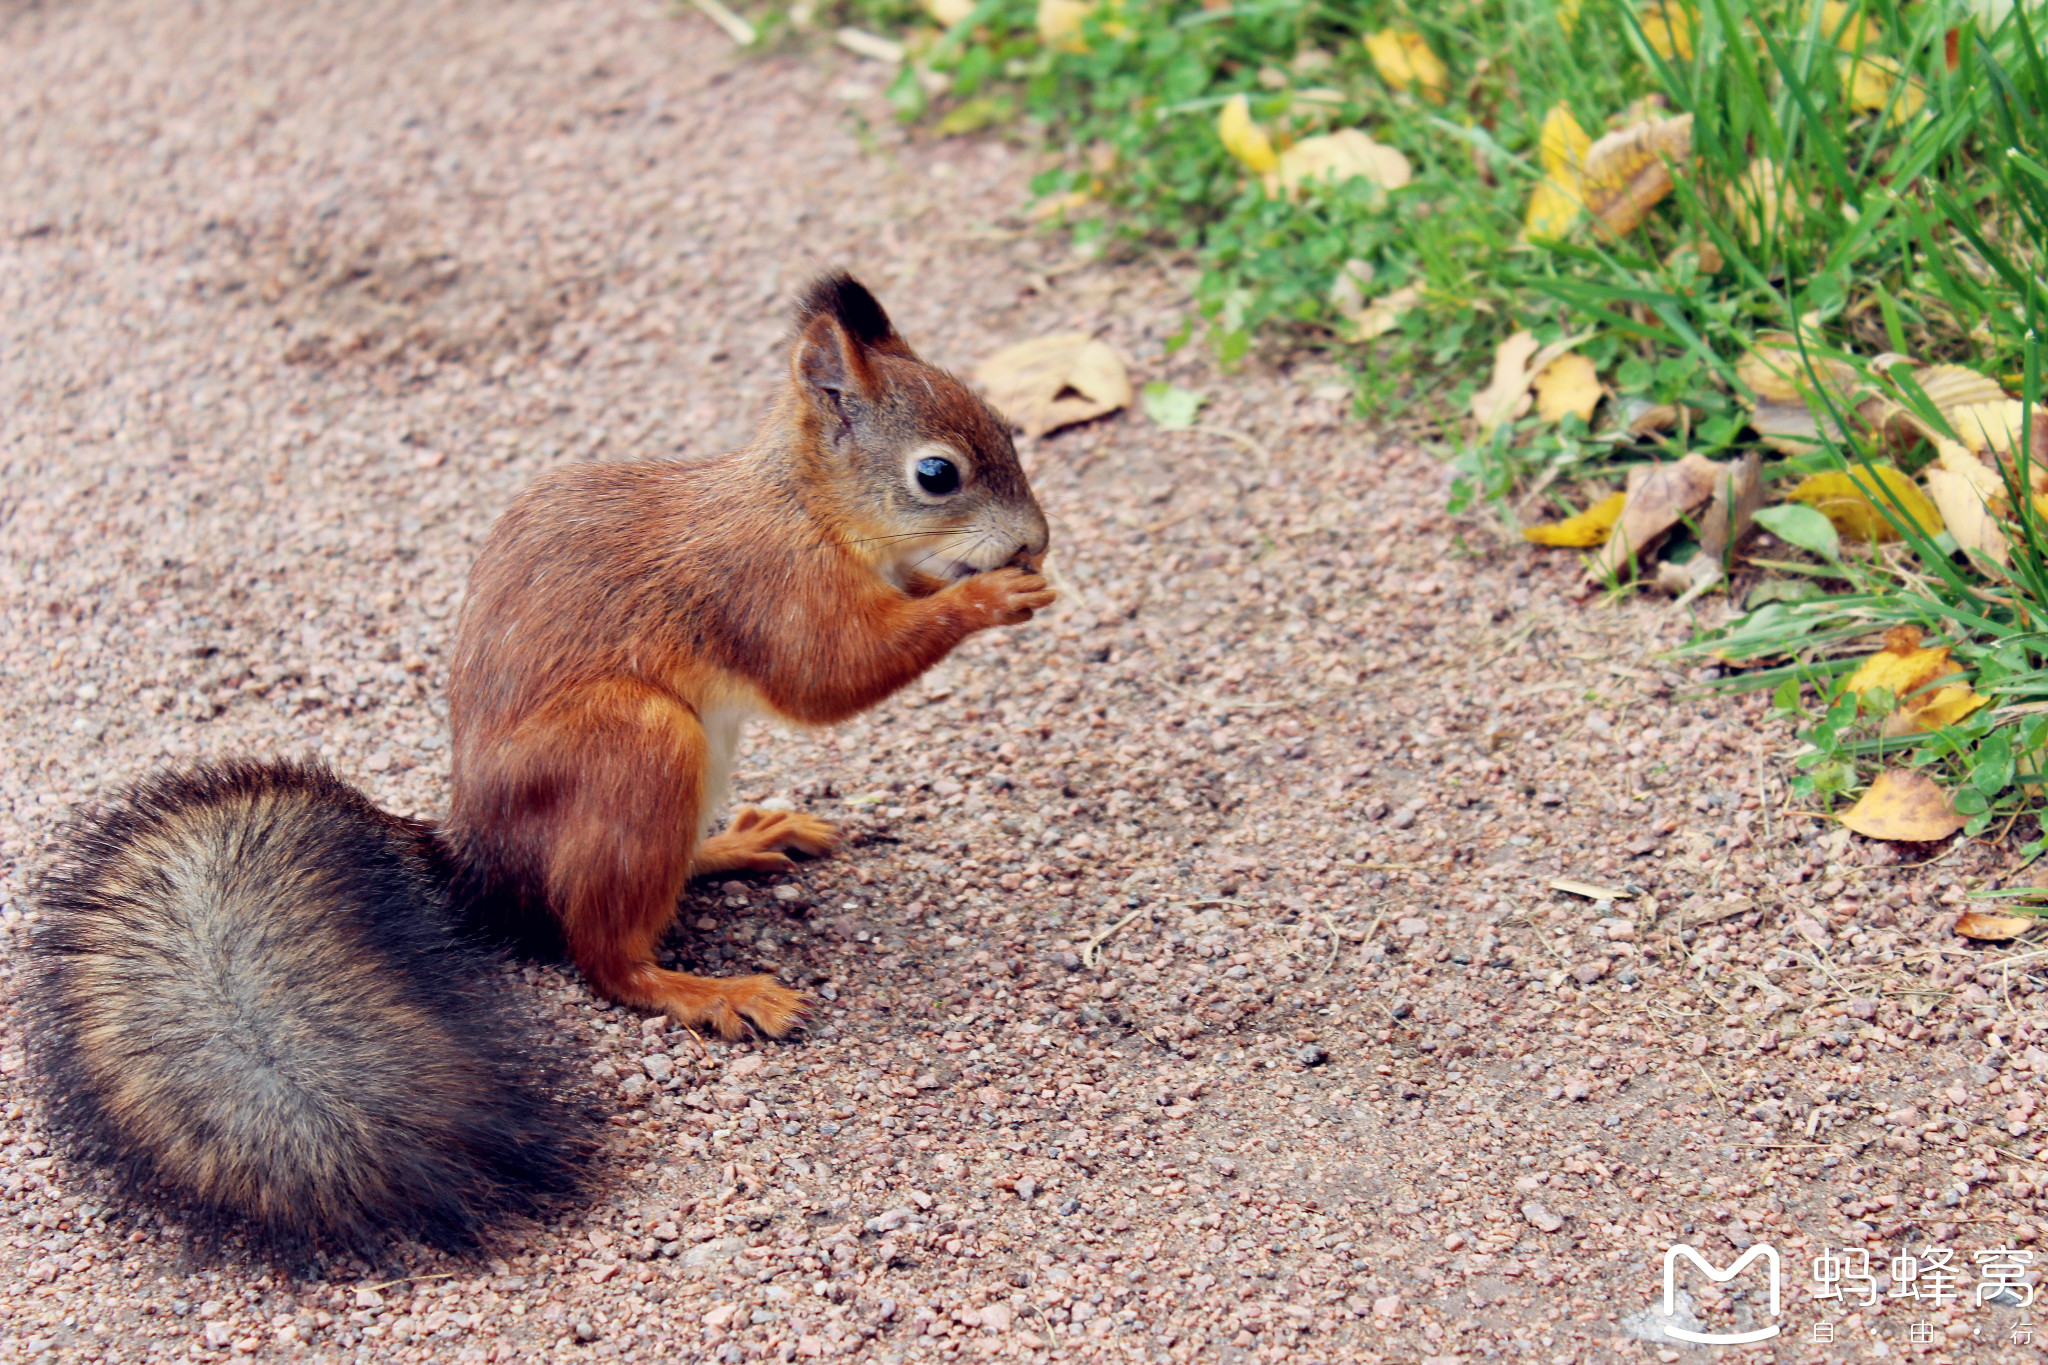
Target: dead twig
(1718, 1097)
(1094, 945)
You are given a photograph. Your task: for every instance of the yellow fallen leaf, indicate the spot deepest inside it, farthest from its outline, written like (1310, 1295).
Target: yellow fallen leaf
(1843, 497)
(1994, 427)
(1567, 384)
(1404, 59)
(1993, 928)
(1346, 154)
(1060, 22)
(1902, 667)
(1561, 149)
(1055, 381)
(1659, 496)
(1967, 512)
(1955, 386)
(1552, 210)
(1948, 387)
(1561, 146)
(1847, 33)
(1877, 82)
(1931, 710)
(1628, 171)
(1071, 202)
(1244, 139)
(949, 12)
(1760, 202)
(1904, 804)
(1702, 256)
(1568, 15)
(1318, 101)
(1668, 27)
(1584, 530)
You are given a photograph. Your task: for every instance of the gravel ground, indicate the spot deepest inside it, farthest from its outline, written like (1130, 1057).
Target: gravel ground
(1193, 988)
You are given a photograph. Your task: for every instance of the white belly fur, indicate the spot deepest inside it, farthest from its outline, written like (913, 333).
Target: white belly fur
(722, 726)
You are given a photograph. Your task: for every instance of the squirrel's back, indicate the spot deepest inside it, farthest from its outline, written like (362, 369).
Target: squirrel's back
(249, 1002)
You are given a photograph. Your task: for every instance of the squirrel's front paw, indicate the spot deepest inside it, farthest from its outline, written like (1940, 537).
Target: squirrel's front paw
(1006, 596)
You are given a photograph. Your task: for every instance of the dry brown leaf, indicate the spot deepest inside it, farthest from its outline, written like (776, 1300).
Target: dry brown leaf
(1627, 172)
(1706, 257)
(1784, 411)
(1729, 518)
(1738, 492)
(1790, 426)
(1688, 580)
(1507, 397)
(1567, 384)
(1384, 314)
(1055, 381)
(1904, 804)
(1592, 891)
(1993, 928)
(1658, 497)
(1775, 369)
(1641, 417)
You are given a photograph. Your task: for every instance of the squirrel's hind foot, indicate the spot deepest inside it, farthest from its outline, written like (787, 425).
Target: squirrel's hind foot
(726, 1005)
(729, 1004)
(755, 840)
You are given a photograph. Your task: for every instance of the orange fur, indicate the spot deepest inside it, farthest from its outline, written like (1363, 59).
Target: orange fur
(619, 610)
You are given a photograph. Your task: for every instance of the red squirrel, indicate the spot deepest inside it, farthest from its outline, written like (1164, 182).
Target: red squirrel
(254, 996)
(624, 621)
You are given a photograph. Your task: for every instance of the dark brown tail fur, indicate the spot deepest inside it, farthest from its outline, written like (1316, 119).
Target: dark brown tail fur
(249, 1003)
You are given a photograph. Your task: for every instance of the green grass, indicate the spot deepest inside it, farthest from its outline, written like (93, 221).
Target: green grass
(1873, 240)
(1910, 225)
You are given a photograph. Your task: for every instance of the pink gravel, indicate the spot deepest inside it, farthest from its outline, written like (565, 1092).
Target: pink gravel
(294, 298)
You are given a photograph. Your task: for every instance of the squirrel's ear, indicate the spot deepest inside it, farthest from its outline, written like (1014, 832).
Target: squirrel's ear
(831, 367)
(840, 329)
(846, 300)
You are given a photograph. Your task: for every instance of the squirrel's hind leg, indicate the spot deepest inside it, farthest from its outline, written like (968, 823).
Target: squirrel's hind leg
(621, 851)
(754, 841)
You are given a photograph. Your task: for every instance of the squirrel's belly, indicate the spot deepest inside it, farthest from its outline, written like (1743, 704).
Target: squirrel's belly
(722, 725)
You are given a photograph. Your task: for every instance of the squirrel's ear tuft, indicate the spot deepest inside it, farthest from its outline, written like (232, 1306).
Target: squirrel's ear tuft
(846, 300)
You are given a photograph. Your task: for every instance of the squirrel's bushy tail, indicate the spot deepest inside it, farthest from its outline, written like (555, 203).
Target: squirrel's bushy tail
(249, 1003)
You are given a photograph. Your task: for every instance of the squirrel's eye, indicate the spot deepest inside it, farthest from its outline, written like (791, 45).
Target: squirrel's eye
(936, 476)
